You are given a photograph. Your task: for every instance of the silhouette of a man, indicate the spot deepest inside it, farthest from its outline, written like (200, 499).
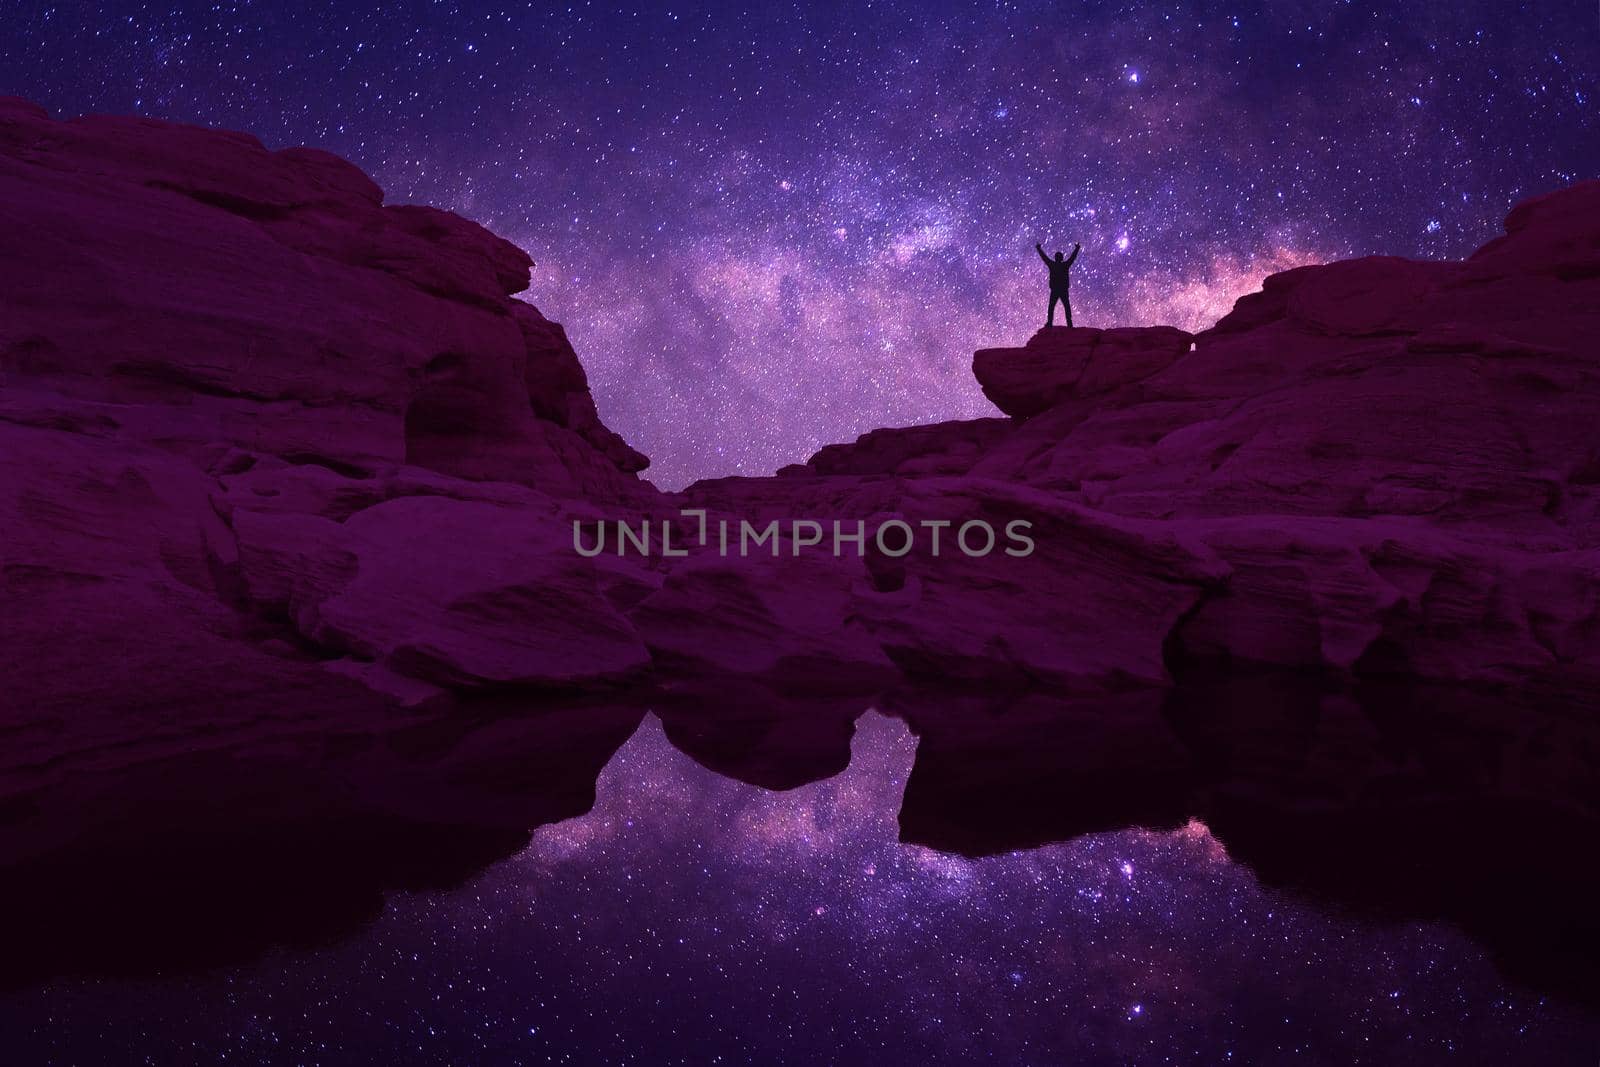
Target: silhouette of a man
(1059, 268)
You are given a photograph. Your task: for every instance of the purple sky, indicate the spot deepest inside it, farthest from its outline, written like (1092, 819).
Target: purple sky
(769, 230)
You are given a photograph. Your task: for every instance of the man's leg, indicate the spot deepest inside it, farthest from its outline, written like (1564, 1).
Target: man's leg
(1066, 307)
(1050, 318)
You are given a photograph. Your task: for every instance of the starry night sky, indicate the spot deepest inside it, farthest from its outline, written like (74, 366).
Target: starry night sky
(771, 229)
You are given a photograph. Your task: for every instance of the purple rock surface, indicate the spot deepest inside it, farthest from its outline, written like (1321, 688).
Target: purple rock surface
(275, 453)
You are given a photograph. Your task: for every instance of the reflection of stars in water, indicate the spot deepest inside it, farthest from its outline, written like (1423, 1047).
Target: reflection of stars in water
(800, 904)
(689, 919)
(686, 177)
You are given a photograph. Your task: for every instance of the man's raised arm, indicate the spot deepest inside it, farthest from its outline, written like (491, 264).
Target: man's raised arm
(1075, 249)
(1040, 249)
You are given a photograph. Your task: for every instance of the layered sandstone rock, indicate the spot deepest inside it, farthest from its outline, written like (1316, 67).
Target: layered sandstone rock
(1372, 466)
(287, 490)
(273, 452)
(189, 289)
(265, 435)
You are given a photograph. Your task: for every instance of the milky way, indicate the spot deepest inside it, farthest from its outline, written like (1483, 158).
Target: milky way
(769, 230)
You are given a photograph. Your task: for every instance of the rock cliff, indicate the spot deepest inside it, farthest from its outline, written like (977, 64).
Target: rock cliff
(1375, 466)
(288, 482)
(273, 448)
(272, 451)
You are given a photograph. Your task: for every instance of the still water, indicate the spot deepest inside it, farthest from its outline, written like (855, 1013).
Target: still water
(692, 918)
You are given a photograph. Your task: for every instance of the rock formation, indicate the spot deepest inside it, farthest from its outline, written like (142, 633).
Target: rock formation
(288, 477)
(1375, 466)
(1060, 363)
(239, 392)
(263, 431)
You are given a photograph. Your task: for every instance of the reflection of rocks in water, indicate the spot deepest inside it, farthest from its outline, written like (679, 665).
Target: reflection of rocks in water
(1418, 803)
(751, 732)
(1406, 804)
(1415, 804)
(1006, 771)
(204, 857)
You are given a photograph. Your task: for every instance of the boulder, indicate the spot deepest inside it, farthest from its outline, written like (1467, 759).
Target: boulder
(1062, 362)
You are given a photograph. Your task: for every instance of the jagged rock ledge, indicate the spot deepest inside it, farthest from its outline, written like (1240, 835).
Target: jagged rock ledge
(1060, 362)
